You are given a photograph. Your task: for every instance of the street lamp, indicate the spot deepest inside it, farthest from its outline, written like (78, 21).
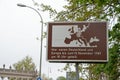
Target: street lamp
(22, 5)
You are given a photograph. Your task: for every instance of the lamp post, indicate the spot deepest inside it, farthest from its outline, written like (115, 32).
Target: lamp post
(22, 5)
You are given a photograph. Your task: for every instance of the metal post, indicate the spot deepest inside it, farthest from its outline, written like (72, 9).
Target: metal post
(22, 5)
(77, 71)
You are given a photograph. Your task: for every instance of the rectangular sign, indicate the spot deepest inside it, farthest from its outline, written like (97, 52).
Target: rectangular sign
(77, 42)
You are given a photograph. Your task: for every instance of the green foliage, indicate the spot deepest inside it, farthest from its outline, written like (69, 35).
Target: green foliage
(25, 64)
(111, 68)
(114, 53)
(92, 10)
(82, 10)
(114, 34)
(52, 12)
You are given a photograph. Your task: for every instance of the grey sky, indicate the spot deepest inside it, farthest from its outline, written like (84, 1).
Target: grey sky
(19, 28)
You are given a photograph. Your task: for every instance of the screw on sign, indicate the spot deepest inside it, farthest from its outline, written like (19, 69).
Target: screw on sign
(39, 78)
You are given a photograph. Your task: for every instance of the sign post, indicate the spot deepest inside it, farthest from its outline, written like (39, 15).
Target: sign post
(77, 42)
(77, 71)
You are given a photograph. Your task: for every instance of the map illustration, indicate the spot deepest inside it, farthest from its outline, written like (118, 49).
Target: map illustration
(79, 39)
(73, 36)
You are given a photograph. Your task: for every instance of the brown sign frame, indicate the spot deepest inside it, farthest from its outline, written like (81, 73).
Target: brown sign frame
(90, 45)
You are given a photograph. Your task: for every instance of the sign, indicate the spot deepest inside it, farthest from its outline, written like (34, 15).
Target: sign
(77, 42)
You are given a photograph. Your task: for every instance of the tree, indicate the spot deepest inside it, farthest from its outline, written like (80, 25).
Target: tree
(82, 10)
(111, 69)
(25, 64)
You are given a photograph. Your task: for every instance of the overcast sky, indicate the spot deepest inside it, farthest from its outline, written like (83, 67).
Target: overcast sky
(19, 28)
